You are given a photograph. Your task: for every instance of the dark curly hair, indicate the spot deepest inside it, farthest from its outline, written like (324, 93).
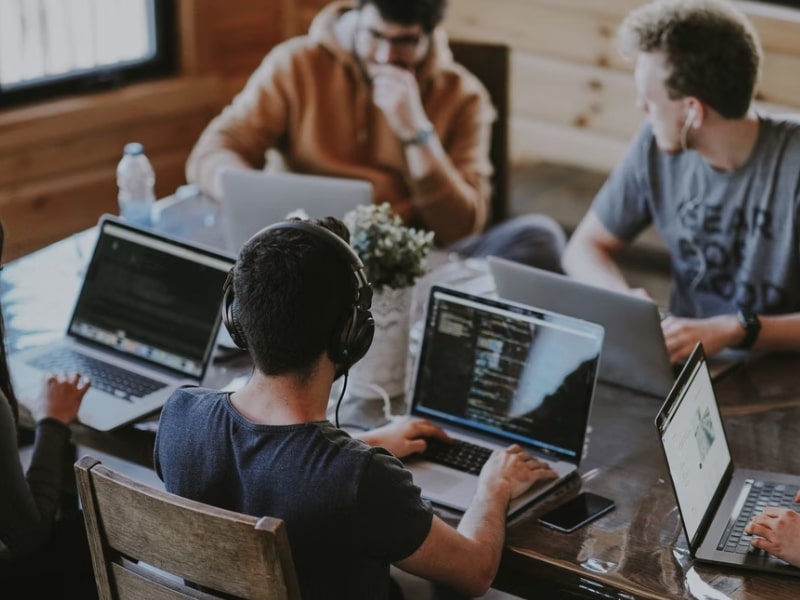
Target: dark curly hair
(426, 13)
(712, 51)
(292, 294)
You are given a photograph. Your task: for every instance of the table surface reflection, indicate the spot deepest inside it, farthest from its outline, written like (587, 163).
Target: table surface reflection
(636, 551)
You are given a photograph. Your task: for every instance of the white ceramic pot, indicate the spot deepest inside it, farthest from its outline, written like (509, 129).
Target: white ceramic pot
(384, 365)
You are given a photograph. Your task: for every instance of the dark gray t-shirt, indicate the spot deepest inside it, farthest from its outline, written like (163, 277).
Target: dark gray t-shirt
(733, 238)
(350, 510)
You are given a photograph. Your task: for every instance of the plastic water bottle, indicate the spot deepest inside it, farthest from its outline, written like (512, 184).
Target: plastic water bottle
(135, 179)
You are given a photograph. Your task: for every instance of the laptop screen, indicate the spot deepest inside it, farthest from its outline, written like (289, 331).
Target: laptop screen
(151, 298)
(506, 369)
(694, 443)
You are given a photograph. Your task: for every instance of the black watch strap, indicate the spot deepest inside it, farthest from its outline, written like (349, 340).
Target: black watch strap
(751, 325)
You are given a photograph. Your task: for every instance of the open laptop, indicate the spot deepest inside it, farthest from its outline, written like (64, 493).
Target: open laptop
(634, 353)
(715, 499)
(144, 322)
(251, 200)
(493, 373)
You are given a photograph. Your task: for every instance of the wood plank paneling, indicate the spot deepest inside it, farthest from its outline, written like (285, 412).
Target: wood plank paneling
(573, 96)
(41, 213)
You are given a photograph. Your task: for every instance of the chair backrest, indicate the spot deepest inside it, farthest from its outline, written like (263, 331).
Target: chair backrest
(150, 544)
(490, 64)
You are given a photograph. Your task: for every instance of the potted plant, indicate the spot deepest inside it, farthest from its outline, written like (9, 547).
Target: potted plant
(394, 257)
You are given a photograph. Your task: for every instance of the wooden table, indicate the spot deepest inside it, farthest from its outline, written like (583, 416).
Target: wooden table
(636, 551)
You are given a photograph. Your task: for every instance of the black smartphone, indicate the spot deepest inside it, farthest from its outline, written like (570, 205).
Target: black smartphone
(577, 512)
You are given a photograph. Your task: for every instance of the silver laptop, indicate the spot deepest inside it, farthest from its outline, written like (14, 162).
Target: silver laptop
(634, 353)
(715, 499)
(144, 322)
(252, 200)
(493, 373)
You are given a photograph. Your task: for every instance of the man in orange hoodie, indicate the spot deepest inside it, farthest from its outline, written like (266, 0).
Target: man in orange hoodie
(372, 93)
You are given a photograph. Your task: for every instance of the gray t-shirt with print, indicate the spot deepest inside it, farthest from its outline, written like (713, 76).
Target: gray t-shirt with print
(733, 238)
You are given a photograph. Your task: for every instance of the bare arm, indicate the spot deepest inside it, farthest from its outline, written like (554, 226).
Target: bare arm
(778, 333)
(467, 558)
(590, 253)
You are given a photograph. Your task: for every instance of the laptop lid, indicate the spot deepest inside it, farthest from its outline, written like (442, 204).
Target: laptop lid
(151, 299)
(695, 447)
(634, 352)
(506, 371)
(254, 199)
(715, 499)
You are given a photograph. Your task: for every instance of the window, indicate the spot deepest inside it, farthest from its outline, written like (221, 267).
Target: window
(58, 47)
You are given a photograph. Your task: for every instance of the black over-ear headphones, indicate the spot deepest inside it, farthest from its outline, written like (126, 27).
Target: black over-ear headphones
(352, 338)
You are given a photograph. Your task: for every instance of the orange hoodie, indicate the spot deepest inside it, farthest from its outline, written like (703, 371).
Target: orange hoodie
(310, 101)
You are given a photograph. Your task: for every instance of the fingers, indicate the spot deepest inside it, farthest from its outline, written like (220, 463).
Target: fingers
(424, 428)
(75, 380)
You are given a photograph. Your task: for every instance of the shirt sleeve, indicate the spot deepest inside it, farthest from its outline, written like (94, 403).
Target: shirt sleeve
(28, 504)
(454, 199)
(394, 520)
(249, 126)
(623, 203)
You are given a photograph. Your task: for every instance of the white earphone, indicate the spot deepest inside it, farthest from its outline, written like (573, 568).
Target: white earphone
(691, 115)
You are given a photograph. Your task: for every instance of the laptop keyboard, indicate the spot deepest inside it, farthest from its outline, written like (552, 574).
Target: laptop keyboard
(112, 379)
(761, 495)
(460, 455)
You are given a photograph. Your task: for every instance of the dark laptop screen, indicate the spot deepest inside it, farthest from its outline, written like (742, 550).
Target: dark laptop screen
(694, 443)
(151, 298)
(503, 368)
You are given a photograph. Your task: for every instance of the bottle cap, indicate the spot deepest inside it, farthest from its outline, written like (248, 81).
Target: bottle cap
(134, 149)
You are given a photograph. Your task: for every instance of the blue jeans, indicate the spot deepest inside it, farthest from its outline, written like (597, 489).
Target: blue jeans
(535, 240)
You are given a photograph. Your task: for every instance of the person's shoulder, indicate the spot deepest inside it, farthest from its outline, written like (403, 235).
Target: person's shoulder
(782, 124)
(192, 398)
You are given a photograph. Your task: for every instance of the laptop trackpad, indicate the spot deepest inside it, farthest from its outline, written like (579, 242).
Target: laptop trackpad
(435, 481)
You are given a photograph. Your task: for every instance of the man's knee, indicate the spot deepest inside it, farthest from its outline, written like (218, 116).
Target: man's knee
(535, 240)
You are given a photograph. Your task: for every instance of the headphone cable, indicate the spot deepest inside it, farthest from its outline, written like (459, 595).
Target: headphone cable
(339, 401)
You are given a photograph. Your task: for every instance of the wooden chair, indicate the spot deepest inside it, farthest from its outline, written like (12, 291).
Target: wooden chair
(490, 63)
(132, 528)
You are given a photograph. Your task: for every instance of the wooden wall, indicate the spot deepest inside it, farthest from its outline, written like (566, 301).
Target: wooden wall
(572, 99)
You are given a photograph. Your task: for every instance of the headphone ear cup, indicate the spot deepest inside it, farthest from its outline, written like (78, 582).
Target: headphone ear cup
(361, 337)
(351, 341)
(230, 316)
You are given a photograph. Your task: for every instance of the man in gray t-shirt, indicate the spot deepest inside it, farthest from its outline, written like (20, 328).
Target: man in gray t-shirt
(719, 182)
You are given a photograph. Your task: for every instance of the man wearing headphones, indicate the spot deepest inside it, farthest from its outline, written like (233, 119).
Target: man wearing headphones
(720, 182)
(372, 92)
(299, 301)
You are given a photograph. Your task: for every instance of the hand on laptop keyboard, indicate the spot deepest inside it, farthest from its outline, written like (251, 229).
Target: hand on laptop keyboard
(60, 398)
(777, 531)
(403, 437)
(515, 470)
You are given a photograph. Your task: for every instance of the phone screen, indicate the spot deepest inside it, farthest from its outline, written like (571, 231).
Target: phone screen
(578, 511)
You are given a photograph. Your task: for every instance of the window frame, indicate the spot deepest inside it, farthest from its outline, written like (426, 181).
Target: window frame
(163, 64)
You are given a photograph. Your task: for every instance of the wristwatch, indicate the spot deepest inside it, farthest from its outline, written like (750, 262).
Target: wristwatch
(751, 325)
(421, 137)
